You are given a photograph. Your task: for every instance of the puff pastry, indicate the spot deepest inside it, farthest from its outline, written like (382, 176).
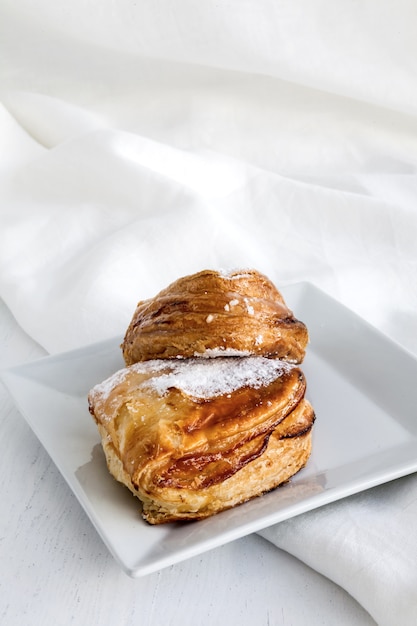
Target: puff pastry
(192, 437)
(212, 313)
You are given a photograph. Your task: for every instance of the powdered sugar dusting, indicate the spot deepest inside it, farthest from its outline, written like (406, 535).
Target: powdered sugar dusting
(207, 378)
(234, 273)
(249, 307)
(259, 340)
(210, 353)
(199, 377)
(104, 388)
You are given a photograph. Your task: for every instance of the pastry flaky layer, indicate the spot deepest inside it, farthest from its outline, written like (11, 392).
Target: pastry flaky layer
(212, 313)
(192, 437)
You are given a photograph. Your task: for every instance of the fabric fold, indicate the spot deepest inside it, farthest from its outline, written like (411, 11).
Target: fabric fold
(112, 213)
(365, 544)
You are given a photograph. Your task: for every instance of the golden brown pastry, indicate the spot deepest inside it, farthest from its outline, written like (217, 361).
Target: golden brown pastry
(211, 314)
(192, 437)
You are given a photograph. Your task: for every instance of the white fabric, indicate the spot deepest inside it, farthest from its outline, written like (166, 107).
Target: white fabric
(143, 141)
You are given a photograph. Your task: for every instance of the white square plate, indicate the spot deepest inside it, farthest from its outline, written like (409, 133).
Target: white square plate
(364, 391)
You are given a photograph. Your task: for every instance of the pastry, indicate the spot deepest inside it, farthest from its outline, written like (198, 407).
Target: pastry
(213, 314)
(210, 410)
(191, 437)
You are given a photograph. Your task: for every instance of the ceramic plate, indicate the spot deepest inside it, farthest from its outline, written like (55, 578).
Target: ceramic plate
(363, 389)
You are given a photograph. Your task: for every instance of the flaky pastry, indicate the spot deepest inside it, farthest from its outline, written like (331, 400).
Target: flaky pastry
(192, 437)
(212, 313)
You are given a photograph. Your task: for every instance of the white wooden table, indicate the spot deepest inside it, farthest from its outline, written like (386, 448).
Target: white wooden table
(56, 571)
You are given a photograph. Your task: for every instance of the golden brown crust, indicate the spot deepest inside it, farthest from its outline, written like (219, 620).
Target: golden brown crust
(212, 313)
(189, 452)
(281, 459)
(191, 435)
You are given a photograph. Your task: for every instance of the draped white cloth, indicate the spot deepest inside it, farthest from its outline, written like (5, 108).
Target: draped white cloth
(141, 141)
